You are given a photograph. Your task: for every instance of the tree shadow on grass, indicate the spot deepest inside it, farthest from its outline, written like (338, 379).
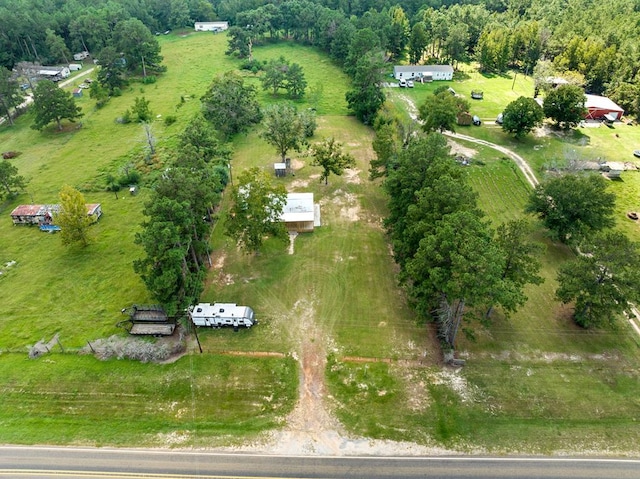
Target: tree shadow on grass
(461, 76)
(489, 75)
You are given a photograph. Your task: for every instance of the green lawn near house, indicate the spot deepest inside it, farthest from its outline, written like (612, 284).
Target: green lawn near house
(198, 401)
(533, 383)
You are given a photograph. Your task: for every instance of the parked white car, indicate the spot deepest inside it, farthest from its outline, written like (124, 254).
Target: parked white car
(409, 83)
(402, 83)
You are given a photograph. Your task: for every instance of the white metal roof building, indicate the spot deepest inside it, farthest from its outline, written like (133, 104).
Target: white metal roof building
(211, 26)
(300, 213)
(434, 72)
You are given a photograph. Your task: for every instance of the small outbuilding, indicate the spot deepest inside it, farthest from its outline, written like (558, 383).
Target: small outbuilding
(464, 118)
(54, 73)
(80, 55)
(602, 108)
(211, 26)
(77, 93)
(147, 320)
(418, 72)
(43, 214)
(280, 169)
(300, 214)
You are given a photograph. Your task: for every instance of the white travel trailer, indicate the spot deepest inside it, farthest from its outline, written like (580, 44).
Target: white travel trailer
(222, 314)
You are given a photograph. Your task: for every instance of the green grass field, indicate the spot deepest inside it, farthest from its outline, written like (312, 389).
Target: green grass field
(534, 382)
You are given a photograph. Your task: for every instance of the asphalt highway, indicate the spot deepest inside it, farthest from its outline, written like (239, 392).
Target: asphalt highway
(86, 463)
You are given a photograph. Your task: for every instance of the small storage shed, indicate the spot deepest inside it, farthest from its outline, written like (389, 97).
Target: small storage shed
(464, 118)
(601, 107)
(77, 93)
(280, 169)
(417, 72)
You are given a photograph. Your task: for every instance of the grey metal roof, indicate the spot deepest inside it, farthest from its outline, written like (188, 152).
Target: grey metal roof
(422, 68)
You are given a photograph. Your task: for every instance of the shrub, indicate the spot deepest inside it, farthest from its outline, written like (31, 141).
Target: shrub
(149, 79)
(222, 172)
(170, 120)
(125, 118)
(131, 177)
(253, 66)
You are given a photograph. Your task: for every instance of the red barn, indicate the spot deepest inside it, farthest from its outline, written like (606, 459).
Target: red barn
(601, 107)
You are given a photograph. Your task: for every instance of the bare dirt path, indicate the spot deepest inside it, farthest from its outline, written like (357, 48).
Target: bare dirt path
(29, 98)
(79, 75)
(312, 428)
(519, 160)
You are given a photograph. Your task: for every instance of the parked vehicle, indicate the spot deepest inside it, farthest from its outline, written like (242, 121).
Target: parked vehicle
(402, 83)
(500, 119)
(476, 120)
(409, 83)
(222, 314)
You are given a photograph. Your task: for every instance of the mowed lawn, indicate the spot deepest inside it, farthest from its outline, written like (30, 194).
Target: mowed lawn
(341, 276)
(534, 382)
(199, 401)
(78, 294)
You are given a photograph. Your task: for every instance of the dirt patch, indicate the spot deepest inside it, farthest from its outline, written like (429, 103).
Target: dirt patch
(295, 184)
(292, 238)
(218, 263)
(297, 164)
(254, 354)
(458, 149)
(541, 132)
(348, 204)
(221, 277)
(456, 382)
(352, 176)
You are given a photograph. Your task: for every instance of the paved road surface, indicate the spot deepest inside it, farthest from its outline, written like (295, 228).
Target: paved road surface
(84, 463)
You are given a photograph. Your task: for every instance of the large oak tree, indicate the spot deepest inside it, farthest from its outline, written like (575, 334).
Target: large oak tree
(573, 205)
(51, 103)
(230, 105)
(602, 279)
(256, 210)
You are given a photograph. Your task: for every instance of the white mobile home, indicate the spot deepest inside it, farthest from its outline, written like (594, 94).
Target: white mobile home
(80, 56)
(423, 72)
(54, 73)
(211, 26)
(222, 314)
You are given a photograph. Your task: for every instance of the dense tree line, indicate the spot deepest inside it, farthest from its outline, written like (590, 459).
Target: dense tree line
(451, 260)
(594, 39)
(175, 236)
